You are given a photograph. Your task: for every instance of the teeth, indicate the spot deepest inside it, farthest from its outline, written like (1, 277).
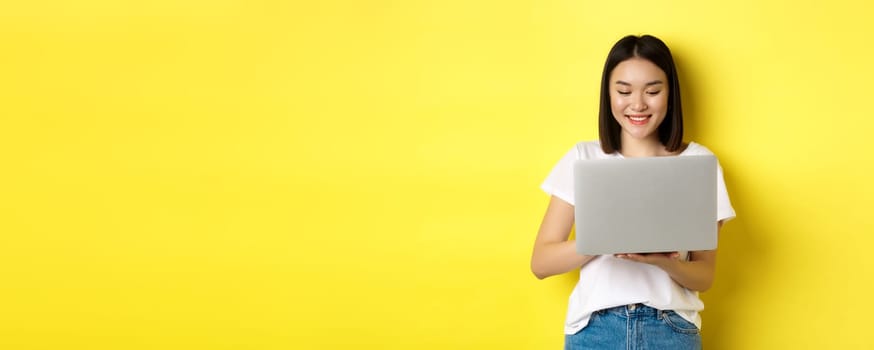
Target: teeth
(637, 119)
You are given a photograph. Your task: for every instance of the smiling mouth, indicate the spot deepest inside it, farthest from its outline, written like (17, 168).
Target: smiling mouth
(638, 119)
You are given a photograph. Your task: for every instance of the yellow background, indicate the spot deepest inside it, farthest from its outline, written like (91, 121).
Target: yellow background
(310, 175)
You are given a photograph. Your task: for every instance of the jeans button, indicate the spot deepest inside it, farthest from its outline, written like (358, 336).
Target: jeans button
(632, 307)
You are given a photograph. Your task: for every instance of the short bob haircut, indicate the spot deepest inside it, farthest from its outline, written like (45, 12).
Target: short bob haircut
(654, 50)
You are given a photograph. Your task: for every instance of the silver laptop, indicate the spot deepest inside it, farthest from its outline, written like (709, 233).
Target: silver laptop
(645, 205)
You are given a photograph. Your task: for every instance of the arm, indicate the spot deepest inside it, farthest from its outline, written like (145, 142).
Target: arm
(695, 274)
(553, 253)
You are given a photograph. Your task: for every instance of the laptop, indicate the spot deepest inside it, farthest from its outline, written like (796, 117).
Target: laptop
(645, 205)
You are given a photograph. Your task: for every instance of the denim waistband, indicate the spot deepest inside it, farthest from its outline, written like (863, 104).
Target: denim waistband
(632, 310)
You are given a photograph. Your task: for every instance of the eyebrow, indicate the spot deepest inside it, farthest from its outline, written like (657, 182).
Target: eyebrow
(654, 82)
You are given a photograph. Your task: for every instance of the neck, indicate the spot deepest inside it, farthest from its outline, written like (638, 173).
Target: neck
(648, 147)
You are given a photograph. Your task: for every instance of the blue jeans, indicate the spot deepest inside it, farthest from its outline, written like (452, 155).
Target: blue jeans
(635, 326)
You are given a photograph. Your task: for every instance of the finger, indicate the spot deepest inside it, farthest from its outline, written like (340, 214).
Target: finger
(634, 257)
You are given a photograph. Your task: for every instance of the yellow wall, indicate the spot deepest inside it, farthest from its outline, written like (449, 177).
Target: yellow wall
(274, 175)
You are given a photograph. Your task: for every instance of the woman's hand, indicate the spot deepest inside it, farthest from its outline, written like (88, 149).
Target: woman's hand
(693, 274)
(696, 273)
(657, 259)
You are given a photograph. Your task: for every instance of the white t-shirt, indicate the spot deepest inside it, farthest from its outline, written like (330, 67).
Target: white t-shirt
(607, 281)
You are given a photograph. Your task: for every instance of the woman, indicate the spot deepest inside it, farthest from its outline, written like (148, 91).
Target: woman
(650, 300)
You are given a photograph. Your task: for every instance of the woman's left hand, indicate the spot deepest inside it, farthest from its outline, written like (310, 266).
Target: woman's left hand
(657, 259)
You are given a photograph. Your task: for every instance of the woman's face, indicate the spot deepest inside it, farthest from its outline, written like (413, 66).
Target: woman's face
(638, 97)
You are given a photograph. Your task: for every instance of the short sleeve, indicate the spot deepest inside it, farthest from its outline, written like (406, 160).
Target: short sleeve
(724, 210)
(560, 181)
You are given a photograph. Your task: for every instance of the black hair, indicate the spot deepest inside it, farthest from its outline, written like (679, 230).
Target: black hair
(654, 50)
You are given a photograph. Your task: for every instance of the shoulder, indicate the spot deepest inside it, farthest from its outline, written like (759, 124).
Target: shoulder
(589, 150)
(696, 149)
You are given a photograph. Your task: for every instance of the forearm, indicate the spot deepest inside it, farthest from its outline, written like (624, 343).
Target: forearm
(693, 275)
(551, 259)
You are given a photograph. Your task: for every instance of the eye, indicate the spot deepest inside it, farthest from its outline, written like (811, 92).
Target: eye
(653, 93)
(623, 92)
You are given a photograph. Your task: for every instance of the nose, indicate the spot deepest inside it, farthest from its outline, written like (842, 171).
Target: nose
(638, 104)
